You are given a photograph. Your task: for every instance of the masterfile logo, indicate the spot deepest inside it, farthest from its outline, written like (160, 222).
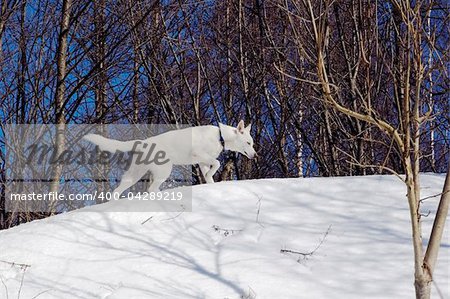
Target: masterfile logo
(49, 169)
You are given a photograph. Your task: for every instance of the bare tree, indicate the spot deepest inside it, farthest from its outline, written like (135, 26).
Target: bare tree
(407, 73)
(60, 92)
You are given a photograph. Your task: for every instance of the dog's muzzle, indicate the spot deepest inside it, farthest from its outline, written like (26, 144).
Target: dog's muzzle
(250, 156)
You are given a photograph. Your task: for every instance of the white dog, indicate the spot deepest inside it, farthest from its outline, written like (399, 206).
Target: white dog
(195, 145)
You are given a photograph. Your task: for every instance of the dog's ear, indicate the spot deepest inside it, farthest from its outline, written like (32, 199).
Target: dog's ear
(240, 127)
(249, 127)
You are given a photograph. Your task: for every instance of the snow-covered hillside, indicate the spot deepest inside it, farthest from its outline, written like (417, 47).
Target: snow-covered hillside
(229, 246)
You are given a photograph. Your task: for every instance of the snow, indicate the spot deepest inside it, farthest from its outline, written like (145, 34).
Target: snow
(229, 246)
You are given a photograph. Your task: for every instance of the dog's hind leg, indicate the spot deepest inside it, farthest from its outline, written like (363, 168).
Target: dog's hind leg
(160, 173)
(130, 177)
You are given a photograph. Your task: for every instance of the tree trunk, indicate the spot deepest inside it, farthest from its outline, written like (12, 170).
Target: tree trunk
(423, 287)
(60, 94)
(100, 86)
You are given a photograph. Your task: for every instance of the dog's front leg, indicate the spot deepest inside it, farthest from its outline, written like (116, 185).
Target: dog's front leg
(209, 176)
(205, 168)
(209, 169)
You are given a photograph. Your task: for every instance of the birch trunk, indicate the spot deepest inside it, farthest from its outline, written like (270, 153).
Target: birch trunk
(60, 94)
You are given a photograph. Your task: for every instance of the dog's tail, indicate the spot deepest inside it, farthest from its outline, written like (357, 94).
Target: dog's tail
(109, 145)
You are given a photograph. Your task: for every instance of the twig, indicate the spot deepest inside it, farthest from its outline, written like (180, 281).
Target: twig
(146, 220)
(438, 289)
(6, 288)
(22, 266)
(305, 255)
(171, 218)
(431, 196)
(257, 212)
(39, 294)
(251, 294)
(425, 215)
(425, 198)
(226, 231)
(21, 284)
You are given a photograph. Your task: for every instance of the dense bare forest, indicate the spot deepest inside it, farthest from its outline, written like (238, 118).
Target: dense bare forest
(332, 88)
(203, 62)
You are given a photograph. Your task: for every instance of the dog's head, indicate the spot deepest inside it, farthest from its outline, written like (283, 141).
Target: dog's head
(239, 139)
